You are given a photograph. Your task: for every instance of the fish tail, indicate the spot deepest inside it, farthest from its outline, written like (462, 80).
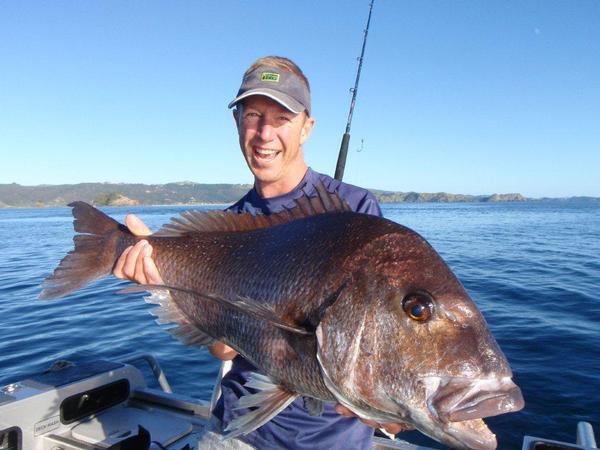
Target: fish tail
(95, 252)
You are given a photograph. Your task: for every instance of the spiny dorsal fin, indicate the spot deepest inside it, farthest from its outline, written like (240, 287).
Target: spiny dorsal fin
(204, 222)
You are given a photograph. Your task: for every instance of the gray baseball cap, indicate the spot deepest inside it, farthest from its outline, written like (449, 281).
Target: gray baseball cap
(280, 85)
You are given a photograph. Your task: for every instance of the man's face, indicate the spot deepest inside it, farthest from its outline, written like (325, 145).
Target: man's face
(271, 139)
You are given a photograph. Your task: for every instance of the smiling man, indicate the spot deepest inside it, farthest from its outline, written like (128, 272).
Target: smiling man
(273, 126)
(273, 118)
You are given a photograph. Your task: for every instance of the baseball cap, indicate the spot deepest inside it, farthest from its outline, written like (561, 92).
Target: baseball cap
(282, 86)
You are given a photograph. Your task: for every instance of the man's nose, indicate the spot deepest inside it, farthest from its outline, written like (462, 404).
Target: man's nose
(266, 131)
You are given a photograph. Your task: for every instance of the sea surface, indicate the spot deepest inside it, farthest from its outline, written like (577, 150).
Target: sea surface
(533, 268)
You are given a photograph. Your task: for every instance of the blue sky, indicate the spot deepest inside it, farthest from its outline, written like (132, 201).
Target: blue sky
(459, 96)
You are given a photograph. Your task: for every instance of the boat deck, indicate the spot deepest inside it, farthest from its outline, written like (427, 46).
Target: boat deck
(108, 405)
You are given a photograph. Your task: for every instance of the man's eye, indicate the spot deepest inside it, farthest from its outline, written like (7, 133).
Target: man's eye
(251, 117)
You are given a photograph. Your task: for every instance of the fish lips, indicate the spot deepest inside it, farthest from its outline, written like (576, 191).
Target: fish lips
(471, 435)
(460, 399)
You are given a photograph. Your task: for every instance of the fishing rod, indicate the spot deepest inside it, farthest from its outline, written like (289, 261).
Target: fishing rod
(341, 162)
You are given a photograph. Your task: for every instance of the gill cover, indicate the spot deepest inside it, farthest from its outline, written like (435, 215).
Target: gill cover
(349, 352)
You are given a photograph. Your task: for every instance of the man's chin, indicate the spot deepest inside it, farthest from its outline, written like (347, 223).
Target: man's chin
(265, 177)
(265, 165)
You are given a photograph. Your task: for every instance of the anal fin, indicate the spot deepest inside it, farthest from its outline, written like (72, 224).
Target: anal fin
(269, 401)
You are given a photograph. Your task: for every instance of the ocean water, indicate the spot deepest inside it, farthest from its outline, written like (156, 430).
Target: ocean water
(532, 268)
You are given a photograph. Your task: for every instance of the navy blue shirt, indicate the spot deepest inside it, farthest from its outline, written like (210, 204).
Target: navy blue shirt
(294, 428)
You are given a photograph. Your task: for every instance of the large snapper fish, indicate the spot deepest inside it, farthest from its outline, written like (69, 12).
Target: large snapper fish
(331, 305)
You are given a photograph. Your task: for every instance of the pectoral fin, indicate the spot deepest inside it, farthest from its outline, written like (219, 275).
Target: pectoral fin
(245, 305)
(269, 401)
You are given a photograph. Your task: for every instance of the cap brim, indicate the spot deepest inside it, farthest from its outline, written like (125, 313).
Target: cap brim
(284, 100)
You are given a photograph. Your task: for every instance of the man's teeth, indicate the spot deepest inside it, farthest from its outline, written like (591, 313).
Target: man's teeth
(265, 152)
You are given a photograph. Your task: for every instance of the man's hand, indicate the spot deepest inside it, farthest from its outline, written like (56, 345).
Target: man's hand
(392, 428)
(136, 263)
(222, 351)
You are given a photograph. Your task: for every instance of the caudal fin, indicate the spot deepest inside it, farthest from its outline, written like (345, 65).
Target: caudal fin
(95, 252)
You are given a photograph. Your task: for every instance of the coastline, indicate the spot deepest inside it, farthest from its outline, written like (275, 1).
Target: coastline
(196, 194)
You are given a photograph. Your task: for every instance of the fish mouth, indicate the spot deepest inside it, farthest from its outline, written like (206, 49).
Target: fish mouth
(472, 435)
(459, 399)
(461, 404)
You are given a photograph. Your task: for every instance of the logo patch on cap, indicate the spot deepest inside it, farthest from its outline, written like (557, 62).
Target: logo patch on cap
(269, 76)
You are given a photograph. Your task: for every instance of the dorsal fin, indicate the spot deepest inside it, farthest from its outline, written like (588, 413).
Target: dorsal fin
(204, 222)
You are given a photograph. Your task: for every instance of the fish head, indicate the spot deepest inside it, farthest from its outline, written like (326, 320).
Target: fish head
(404, 342)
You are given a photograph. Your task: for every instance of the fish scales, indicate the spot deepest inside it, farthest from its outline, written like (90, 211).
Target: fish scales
(294, 268)
(336, 306)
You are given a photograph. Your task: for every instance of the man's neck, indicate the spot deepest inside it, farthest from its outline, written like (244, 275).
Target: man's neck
(280, 187)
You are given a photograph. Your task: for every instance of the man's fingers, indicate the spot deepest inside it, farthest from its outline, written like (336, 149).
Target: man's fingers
(151, 272)
(136, 263)
(371, 423)
(150, 269)
(118, 270)
(129, 268)
(222, 351)
(136, 226)
(139, 274)
(342, 410)
(395, 428)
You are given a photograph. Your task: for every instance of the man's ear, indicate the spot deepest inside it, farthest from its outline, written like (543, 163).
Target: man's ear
(307, 128)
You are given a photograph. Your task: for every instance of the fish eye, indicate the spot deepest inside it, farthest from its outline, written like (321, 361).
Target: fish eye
(418, 306)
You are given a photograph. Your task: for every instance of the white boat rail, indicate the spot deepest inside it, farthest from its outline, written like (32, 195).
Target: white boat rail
(154, 366)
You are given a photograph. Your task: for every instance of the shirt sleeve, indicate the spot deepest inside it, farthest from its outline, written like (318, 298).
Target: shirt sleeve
(369, 205)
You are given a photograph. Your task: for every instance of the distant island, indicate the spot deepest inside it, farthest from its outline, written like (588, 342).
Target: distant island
(120, 194)
(188, 193)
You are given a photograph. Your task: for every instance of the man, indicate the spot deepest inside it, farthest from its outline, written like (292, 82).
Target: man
(272, 115)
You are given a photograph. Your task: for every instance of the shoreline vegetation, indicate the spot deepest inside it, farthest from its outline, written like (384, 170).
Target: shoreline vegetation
(189, 193)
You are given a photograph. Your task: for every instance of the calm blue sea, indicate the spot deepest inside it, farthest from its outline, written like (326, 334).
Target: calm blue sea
(533, 268)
